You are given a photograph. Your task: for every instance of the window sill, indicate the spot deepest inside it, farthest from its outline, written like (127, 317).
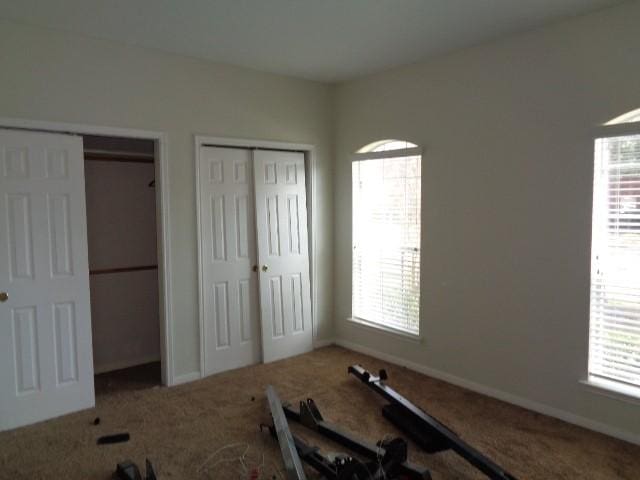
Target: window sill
(359, 322)
(609, 388)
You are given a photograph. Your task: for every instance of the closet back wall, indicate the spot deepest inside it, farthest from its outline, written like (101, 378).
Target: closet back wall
(121, 227)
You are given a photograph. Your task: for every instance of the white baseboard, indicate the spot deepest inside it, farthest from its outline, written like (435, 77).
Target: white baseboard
(110, 367)
(186, 378)
(499, 394)
(323, 342)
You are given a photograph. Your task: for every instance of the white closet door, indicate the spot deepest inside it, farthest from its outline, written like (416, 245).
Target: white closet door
(46, 365)
(228, 253)
(281, 212)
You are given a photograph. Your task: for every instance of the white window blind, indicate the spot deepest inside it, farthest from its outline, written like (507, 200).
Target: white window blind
(614, 337)
(386, 241)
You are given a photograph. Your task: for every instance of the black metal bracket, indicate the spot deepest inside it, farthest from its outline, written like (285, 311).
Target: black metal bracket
(424, 429)
(389, 457)
(128, 470)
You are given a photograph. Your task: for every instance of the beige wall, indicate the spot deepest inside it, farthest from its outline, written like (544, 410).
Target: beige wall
(47, 75)
(507, 178)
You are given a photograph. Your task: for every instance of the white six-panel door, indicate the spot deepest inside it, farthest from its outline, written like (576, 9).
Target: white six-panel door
(281, 219)
(228, 254)
(46, 365)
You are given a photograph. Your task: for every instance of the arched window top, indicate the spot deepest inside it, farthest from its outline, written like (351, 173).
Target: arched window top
(387, 145)
(629, 117)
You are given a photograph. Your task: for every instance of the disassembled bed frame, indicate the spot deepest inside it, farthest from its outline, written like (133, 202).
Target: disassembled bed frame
(424, 429)
(385, 460)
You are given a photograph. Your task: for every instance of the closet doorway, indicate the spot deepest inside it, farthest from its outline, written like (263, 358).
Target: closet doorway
(254, 251)
(123, 262)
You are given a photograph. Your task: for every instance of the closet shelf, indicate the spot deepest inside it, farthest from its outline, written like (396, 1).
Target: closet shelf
(106, 156)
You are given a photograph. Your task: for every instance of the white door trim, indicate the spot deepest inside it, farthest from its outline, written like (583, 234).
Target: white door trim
(162, 215)
(310, 160)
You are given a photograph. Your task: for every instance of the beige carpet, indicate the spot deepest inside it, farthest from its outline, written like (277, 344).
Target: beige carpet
(209, 428)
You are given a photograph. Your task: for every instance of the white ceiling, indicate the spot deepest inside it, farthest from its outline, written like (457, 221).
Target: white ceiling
(325, 40)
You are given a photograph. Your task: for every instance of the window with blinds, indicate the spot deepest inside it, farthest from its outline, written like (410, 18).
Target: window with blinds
(614, 336)
(386, 237)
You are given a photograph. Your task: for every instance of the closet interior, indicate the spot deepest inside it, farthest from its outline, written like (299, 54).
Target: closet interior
(123, 262)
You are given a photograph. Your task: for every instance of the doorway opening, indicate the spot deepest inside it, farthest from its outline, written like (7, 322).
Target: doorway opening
(123, 262)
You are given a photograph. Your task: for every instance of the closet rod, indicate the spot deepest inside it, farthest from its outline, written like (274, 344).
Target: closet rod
(238, 147)
(122, 269)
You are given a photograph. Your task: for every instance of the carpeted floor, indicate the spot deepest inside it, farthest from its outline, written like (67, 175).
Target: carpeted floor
(209, 428)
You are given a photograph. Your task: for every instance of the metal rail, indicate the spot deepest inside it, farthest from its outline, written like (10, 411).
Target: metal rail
(427, 431)
(310, 417)
(292, 463)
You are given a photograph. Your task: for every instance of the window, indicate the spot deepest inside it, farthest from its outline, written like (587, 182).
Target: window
(614, 333)
(387, 145)
(629, 117)
(386, 236)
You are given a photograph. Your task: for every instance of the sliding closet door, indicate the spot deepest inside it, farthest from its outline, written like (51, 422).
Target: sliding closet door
(281, 213)
(228, 254)
(46, 365)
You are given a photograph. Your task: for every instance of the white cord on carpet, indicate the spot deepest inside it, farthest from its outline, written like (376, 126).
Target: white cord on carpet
(245, 470)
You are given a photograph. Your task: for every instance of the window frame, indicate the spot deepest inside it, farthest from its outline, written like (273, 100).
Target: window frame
(365, 154)
(593, 383)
